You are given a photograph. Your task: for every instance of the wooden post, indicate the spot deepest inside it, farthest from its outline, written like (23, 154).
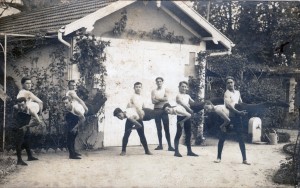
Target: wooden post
(4, 106)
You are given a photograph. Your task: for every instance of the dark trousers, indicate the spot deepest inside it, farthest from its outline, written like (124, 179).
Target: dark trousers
(22, 141)
(152, 114)
(71, 143)
(237, 127)
(140, 131)
(188, 133)
(163, 117)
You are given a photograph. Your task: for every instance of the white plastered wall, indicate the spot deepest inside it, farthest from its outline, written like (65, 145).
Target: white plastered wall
(129, 61)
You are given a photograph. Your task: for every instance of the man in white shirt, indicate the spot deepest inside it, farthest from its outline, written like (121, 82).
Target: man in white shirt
(184, 100)
(159, 98)
(74, 118)
(133, 120)
(32, 101)
(231, 98)
(90, 107)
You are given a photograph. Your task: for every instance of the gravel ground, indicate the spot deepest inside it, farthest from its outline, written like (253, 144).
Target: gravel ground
(106, 168)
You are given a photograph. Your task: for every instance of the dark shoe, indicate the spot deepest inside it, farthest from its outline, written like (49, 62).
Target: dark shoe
(159, 148)
(32, 159)
(171, 149)
(177, 154)
(21, 162)
(74, 157)
(192, 154)
(246, 163)
(148, 153)
(123, 153)
(77, 154)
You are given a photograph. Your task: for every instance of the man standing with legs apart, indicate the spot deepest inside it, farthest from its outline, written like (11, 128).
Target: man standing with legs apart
(159, 98)
(231, 98)
(74, 118)
(184, 100)
(136, 102)
(22, 115)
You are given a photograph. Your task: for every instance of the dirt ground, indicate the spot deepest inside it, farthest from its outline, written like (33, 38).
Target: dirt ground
(105, 168)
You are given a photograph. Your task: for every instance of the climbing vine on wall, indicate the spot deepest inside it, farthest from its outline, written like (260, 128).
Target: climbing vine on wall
(196, 85)
(89, 56)
(160, 33)
(121, 24)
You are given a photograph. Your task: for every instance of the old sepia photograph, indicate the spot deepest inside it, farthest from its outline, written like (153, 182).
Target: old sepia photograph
(149, 93)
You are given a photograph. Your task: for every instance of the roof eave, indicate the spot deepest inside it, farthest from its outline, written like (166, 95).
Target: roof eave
(89, 20)
(217, 36)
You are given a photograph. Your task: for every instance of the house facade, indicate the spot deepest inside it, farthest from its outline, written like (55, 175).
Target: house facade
(160, 39)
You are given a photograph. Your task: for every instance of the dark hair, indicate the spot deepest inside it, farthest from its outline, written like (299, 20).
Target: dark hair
(65, 98)
(117, 111)
(159, 78)
(183, 82)
(208, 102)
(24, 79)
(166, 105)
(137, 83)
(21, 99)
(229, 77)
(71, 81)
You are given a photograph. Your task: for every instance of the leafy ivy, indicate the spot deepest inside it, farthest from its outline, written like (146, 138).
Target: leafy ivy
(196, 86)
(89, 56)
(119, 27)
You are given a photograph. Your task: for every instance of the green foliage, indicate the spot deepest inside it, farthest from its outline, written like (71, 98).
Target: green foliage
(89, 56)
(48, 85)
(162, 34)
(157, 33)
(195, 40)
(253, 88)
(195, 87)
(257, 28)
(286, 173)
(119, 27)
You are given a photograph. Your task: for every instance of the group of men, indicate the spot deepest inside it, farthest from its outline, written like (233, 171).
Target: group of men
(135, 114)
(28, 107)
(27, 111)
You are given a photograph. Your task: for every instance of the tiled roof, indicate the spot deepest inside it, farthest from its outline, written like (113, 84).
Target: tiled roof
(50, 19)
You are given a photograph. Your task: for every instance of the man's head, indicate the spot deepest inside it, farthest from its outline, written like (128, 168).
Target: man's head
(67, 102)
(71, 84)
(26, 83)
(21, 102)
(137, 87)
(183, 87)
(208, 106)
(159, 82)
(167, 108)
(119, 114)
(229, 83)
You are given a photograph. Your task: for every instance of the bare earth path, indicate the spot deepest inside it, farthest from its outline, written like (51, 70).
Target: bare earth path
(106, 168)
